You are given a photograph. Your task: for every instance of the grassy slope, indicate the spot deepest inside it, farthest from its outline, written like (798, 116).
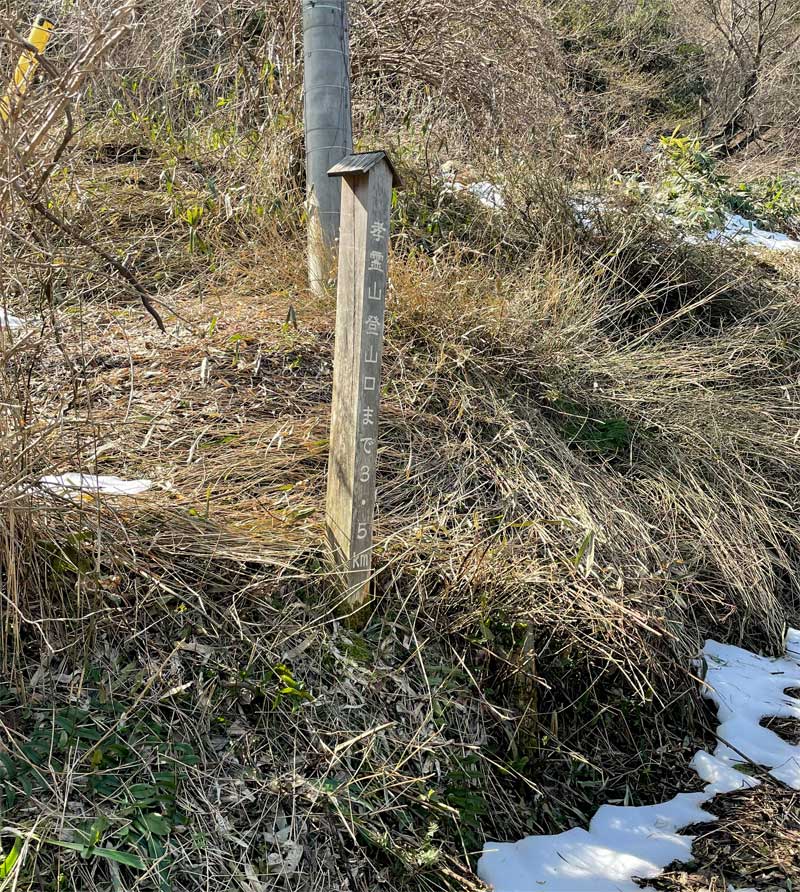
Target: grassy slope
(588, 461)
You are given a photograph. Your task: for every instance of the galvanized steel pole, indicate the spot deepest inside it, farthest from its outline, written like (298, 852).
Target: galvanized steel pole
(328, 127)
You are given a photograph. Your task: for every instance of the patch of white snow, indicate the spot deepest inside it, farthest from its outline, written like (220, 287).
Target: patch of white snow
(739, 229)
(488, 194)
(73, 483)
(747, 688)
(587, 209)
(626, 842)
(9, 321)
(735, 228)
(720, 776)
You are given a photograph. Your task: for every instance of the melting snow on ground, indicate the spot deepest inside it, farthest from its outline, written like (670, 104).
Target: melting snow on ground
(9, 321)
(735, 229)
(488, 194)
(75, 484)
(625, 842)
(740, 229)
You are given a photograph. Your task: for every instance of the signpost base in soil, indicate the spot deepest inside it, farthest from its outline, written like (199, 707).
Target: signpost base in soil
(367, 181)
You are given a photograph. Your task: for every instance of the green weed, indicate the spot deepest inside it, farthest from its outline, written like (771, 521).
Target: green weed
(135, 811)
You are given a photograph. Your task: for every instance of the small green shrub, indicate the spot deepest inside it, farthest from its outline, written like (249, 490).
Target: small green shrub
(135, 807)
(691, 186)
(585, 429)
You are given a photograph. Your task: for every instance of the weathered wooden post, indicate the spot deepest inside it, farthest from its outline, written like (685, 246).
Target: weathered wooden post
(367, 180)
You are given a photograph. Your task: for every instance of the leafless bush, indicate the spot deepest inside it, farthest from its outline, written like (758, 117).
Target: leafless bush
(489, 68)
(754, 49)
(35, 134)
(488, 64)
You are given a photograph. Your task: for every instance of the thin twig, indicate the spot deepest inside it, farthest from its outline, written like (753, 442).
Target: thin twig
(123, 270)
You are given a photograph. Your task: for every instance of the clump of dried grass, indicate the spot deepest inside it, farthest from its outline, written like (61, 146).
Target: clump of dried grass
(755, 841)
(496, 508)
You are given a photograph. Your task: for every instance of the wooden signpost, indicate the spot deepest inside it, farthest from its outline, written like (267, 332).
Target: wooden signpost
(367, 180)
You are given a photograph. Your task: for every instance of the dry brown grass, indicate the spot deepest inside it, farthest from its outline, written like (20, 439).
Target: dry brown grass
(505, 501)
(754, 842)
(588, 446)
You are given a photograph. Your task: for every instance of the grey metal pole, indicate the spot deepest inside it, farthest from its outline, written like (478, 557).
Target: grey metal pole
(328, 127)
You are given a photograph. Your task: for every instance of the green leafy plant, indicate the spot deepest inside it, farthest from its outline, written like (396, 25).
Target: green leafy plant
(772, 200)
(588, 430)
(691, 187)
(9, 861)
(290, 690)
(464, 783)
(193, 217)
(135, 813)
(235, 343)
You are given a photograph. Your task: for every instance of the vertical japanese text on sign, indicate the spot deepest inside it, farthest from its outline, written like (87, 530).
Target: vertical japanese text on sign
(361, 301)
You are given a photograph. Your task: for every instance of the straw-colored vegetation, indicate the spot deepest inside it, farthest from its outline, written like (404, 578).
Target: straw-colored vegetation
(589, 443)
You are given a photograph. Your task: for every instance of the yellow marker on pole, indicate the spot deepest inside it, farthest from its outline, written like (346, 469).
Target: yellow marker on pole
(27, 64)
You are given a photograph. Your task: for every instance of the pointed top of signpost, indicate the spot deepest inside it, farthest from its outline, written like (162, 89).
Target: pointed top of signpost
(363, 162)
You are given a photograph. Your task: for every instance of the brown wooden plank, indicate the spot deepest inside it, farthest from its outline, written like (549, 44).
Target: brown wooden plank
(360, 312)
